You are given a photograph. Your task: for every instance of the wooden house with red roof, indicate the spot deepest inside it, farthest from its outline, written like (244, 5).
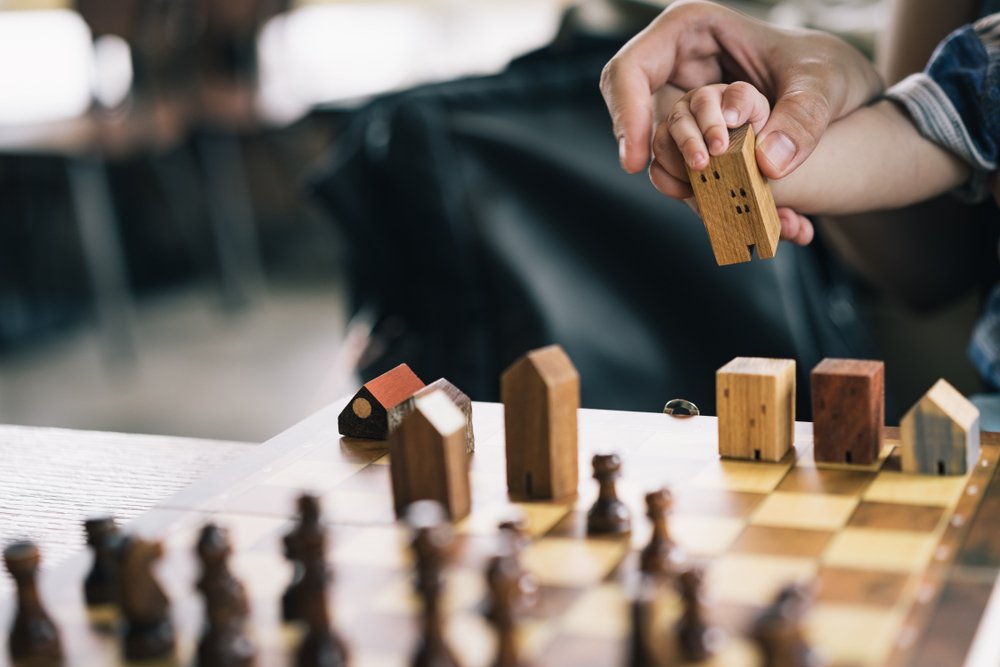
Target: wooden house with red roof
(367, 414)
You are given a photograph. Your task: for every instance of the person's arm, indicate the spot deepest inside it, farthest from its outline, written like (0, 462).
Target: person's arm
(919, 254)
(813, 77)
(873, 159)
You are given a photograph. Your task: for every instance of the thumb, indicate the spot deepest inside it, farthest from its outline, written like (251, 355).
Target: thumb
(797, 121)
(626, 92)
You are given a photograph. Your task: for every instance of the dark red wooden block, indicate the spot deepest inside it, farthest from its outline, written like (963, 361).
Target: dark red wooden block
(848, 401)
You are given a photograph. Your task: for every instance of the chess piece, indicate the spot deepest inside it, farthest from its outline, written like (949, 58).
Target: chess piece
(696, 639)
(515, 538)
(307, 535)
(34, 638)
(755, 401)
(431, 540)
(144, 606)
(735, 202)
(661, 555)
(608, 515)
(502, 579)
(541, 395)
(321, 646)
(778, 630)
(102, 538)
(225, 642)
(640, 651)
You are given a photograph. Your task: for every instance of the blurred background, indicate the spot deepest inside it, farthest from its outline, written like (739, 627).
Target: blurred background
(217, 215)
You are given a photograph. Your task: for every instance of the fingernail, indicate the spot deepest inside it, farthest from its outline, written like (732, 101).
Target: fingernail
(696, 160)
(621, 150)
(778, 149)
(732, 116)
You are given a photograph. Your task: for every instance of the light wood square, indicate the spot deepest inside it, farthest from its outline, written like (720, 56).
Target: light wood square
(852, 635)
(877, 549)
(538, 517)
(742, 476)
(463, 589)
(894, 487)
(704, 535)
(356, 507)
(376, 546)
(559, 561)
(815, 511)
(313, 475)
(753, 579)
(265, 575)
(600, 612)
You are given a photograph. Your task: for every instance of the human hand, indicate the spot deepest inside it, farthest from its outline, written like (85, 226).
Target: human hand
(814, 78)
(698, 126)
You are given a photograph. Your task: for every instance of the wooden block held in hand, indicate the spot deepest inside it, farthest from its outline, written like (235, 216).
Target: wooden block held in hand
(541, 396)
(755, 399)
(848, 402)
(735, 202)
(427, 457)
(940, 434)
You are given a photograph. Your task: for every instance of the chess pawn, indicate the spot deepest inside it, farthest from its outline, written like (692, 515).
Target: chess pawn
(34, 638)
(696, 639)
(321, 646)
(100, 585)
(608, 515)
(502, 579)
(661, 556)
(515, 536)
(778, 630)
(430, 544)
(224, 642)
(307, 535)
(144, 606)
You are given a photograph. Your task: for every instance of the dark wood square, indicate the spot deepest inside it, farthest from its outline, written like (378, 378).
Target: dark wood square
(862, 587)
(893, 516)
(807, 479)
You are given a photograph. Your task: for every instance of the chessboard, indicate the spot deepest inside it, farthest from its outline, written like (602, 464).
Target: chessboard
(904, 566)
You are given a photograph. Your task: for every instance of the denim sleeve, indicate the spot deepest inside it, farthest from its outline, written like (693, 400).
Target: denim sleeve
(955, 102)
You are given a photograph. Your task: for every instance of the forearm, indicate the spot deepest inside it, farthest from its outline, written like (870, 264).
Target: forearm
(873, 159)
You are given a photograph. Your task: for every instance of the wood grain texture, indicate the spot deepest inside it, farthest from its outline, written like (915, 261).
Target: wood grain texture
(940, 433)
(457, 396)
(541, 396)
(755, 398)
(735, 202)
(367, 413)
(428, 459)
(848, 402)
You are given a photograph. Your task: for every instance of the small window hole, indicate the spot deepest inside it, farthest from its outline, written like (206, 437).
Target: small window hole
(703, 179)
(743, 193)
(739, 210)
(716, 174)
(763, 408)
(725, 393)
(732, 193)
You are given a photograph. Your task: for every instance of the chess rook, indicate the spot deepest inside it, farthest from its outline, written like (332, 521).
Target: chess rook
(34, 638)
(848, 405)
(755, 399)
(541, 396)
(428, 458)
(608, 515)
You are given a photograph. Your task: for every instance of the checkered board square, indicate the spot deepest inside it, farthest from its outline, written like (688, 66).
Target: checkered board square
(876, 542)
